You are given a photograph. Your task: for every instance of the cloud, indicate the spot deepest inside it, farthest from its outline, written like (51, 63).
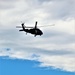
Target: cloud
(57, 10)
(6, 4)
(55, 48)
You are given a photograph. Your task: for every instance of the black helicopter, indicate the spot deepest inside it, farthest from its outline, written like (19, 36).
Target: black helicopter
(33, 30)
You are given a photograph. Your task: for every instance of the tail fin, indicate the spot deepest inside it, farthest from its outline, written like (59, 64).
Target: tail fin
(23, 26)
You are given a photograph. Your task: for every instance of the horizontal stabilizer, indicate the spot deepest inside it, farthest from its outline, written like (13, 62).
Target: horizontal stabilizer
(21, 30)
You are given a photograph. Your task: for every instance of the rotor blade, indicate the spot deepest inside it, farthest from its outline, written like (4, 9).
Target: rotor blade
(18, 27)
(47, 25)
(28, 27)
(25, 27)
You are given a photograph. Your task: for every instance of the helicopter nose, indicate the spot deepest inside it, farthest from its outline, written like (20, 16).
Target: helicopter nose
(41, 33)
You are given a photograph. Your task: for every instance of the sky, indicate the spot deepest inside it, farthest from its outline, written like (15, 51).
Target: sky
(53, 53)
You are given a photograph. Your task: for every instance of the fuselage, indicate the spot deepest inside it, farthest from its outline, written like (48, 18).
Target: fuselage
(34, 31)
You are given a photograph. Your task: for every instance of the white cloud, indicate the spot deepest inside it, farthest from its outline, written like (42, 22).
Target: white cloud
(55, 48)
(62, 62)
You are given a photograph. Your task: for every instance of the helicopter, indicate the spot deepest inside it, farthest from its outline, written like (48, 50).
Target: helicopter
(32, 30)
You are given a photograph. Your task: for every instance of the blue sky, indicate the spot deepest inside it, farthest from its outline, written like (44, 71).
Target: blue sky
(22, 67)
(53, 52)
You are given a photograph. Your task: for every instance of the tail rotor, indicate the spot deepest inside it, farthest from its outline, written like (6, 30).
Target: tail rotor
(22, 26)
